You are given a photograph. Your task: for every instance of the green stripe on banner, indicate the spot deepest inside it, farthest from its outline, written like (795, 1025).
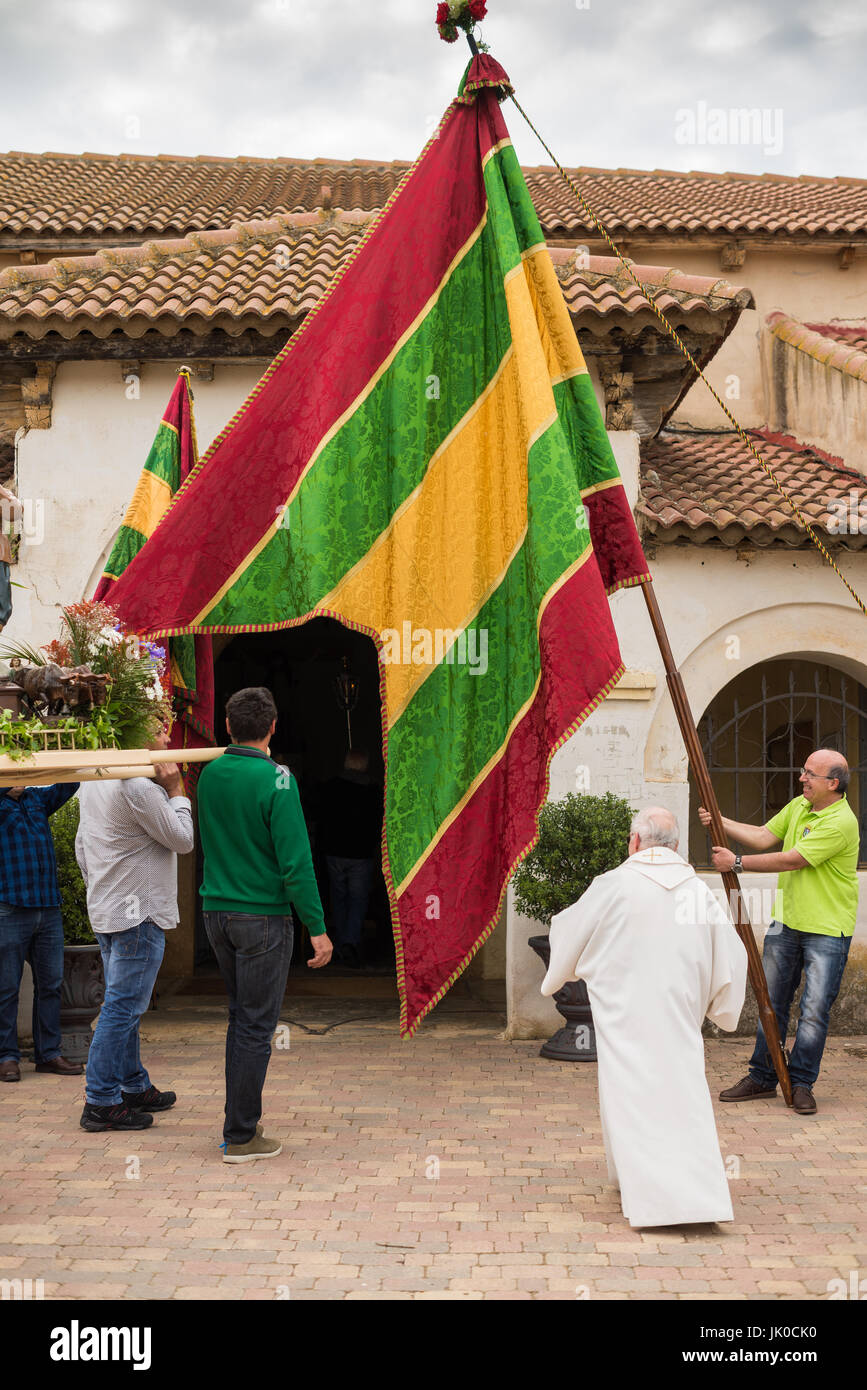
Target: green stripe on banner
(511, 212)
(126, 546)
(164, 457)
(585, 430)
(470, 713)
(351, 493)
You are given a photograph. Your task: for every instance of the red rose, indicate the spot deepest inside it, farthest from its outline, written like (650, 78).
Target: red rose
(478, 8)
(442, 13)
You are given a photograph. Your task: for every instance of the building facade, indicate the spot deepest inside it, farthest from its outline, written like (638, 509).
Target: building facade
(120, 270)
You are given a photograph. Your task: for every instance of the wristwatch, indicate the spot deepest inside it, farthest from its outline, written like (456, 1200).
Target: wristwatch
(737, 866)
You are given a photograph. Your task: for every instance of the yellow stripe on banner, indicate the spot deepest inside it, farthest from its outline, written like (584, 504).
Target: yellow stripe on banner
(151, 498)
(601, 487)
(447, 548)
(495, 150)
(562, 352)
(338, 424)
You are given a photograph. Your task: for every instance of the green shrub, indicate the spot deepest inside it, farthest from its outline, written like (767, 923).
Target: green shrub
(579, 838)
(73, 897)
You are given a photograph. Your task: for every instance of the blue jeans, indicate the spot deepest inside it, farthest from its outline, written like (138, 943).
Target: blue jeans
(253, 953)
(130, 960)
(822, 959)
(33, 934)
(350, 881)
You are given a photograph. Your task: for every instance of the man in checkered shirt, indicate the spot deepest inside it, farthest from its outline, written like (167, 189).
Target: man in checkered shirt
(30, 925)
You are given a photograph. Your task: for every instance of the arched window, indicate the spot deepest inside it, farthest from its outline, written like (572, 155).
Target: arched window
(759, 729)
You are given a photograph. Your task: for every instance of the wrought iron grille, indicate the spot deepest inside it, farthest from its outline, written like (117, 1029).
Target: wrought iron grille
(755, 744)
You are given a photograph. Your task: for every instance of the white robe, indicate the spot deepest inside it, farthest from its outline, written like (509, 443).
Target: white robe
(658, 953)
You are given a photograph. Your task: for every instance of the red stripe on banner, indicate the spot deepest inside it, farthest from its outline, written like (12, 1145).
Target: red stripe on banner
(616, 545)
(463, 880)
(230, 504)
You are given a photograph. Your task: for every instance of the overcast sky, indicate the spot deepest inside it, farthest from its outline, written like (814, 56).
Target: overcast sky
(614, 83)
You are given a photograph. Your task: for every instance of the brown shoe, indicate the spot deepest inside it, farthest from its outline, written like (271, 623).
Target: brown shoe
(748, 1089)
(61, 1066)
(10, 1071)
(803, 1100)
(260, 1146)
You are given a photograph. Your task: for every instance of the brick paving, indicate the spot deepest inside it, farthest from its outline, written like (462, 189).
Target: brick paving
(455, 1166)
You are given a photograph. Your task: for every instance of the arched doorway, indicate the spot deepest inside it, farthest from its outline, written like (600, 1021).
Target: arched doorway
(303, 668)
(759, 728)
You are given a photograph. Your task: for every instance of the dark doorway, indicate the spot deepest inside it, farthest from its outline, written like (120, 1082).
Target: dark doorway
(311, 670)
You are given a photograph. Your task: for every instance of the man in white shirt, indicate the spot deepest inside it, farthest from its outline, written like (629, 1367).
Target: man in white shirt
(658, 953)
(128, 841)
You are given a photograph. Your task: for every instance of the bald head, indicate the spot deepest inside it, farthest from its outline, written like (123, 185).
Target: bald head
(653, 826)
(825, 777)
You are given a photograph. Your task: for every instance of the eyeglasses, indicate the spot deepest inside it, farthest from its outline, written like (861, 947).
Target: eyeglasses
(805, 772)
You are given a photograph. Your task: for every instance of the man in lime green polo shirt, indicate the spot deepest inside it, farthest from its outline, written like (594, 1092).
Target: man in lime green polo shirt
(257, 865)
(814, 917)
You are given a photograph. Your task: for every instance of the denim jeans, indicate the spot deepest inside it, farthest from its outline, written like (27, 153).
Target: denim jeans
(130, 960)
(350, 881)
(822, 959)
(253, 953)
(33, 934)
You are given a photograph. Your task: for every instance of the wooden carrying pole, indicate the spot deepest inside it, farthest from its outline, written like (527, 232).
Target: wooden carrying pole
(700, 772)
(95, 765)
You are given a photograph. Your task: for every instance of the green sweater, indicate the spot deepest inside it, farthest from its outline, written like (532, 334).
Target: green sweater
(257, 854)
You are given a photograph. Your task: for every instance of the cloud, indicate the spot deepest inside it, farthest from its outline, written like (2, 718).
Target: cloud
(603, 81)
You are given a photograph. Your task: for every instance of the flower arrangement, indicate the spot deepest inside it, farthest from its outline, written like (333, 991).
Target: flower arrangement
(137, 690)
(454, 15)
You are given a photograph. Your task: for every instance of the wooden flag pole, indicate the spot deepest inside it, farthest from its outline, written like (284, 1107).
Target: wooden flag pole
(695, 754)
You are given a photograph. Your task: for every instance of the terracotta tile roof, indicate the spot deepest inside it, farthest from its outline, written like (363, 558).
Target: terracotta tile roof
(707, 487)
(267, 275)
(849, 334)
(831, 352)
(600, 284)
(263, 275)
(103, 195)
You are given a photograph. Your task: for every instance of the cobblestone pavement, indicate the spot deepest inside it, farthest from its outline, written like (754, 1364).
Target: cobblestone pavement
(455, 1166)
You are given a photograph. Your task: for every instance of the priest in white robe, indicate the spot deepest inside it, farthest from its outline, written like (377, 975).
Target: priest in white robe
(658, 952)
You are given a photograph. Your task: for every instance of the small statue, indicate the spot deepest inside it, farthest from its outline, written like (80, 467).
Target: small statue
(42, 685)
(83, 690)
(50, 689)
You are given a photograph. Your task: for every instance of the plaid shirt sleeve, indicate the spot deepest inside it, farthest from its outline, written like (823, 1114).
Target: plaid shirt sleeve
(28, 869)
(55, 796)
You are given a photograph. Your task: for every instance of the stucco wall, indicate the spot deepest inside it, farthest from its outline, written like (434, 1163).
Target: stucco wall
(82, 472)
(817, 404)
(808, 285)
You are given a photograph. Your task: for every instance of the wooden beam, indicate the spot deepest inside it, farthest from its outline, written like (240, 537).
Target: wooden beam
(36, 393)
(184, 346)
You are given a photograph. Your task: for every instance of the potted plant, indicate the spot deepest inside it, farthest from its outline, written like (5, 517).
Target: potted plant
(83, 985)
(580, 837)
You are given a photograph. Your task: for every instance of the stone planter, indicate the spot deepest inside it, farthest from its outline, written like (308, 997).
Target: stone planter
(81, 996)
(576, 1040)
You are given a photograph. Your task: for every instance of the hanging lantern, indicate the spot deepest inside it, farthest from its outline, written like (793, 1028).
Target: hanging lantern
(346, 690)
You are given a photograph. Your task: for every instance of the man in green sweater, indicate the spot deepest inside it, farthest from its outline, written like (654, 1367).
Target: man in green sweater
(257, 863)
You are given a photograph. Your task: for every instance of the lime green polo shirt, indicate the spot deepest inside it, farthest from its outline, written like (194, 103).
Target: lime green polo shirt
(823, 898)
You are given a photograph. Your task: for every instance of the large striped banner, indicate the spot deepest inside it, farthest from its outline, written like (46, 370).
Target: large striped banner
(425, 461)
